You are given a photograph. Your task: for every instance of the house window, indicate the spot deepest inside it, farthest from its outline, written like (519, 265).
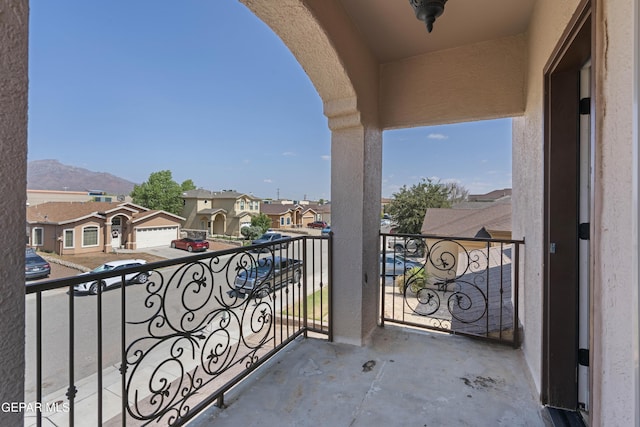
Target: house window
(68, 238)
(281, 221)
(90, 236)
(288, 221)
(38, 237)
(242, 205)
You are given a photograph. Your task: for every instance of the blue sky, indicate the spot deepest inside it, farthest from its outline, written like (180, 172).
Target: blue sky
(206, 90)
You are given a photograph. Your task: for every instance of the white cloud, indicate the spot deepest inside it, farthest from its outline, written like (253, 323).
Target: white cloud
(451, 181)
(437, 136)
(325, 157)
(289, 153)
(267, 180)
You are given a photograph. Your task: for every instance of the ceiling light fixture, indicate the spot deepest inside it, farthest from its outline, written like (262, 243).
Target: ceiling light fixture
(428, 10)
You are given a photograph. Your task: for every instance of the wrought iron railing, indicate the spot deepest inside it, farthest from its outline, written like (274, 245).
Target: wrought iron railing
(159, 352)
(466, 286)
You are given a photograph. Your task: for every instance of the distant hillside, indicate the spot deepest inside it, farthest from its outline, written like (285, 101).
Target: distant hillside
(53, 175)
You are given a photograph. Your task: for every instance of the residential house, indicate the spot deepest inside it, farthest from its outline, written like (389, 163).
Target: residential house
(565, 72)
(288, 215)
(69, 228)
(218, 212)
(311, 211)
(470, 219)
(484, 220)
(492, 196)
(35, 197)
(323, 212)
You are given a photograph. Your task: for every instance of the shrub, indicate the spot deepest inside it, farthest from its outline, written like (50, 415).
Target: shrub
(416, 278)
(251, 232)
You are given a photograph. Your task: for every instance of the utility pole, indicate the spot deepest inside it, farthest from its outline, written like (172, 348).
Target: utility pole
(278, 194)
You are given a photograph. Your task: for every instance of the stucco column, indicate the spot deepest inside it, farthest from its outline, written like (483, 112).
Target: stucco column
(14, 18)
(356, 170)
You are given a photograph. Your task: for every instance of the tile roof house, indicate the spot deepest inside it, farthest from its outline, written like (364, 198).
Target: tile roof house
(288, 215)
(218, 212)
(491, 196)
(68, 228)
(470, 219)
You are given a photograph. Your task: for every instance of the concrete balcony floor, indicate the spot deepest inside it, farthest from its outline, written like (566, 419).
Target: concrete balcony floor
(403, 377)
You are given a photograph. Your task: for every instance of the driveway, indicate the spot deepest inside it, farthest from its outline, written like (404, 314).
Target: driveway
(171, 253)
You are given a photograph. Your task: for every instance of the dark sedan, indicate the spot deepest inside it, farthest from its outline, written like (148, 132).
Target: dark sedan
(271, 237)
(35, 266)
(191, 245)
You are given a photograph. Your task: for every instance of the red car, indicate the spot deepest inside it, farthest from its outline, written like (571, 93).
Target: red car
(317, 224)
(190, 245)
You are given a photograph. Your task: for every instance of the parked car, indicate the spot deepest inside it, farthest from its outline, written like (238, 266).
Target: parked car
(191, 245)
(326, 230)
(271, 237)
(395, 264)
(267, 275)
(406, 245)
(92, 286)
(317, 224)
(35, 266)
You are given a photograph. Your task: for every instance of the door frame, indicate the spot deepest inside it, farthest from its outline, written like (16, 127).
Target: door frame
(561, 198)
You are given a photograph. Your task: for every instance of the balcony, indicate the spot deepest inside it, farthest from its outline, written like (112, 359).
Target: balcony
(239, 338)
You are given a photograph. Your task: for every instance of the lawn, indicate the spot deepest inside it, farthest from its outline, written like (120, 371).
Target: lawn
(317, 305)
(92, 260)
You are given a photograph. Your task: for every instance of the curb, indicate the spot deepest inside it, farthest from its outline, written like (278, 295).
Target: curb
(55, 260)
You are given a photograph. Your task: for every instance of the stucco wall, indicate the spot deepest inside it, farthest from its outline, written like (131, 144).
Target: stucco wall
(189, 210)
(13, 183)
(548, 22)
(614, 396)
(613, 363)
(481, 81)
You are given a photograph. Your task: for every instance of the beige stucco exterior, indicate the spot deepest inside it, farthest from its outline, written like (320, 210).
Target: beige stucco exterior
(221, 212)
(500, 78)
(14, 24)
(60, 227)
(481, 81)
(362, 96)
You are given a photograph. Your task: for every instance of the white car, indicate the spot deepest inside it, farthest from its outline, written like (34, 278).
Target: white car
(92, 287)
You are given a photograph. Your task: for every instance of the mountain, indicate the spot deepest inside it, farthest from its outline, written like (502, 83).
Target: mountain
(53, 175)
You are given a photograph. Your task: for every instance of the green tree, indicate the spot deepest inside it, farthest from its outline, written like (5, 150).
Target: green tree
(251, 232)
(159, 192)
(262, 221)
(188, 185)
(410, 204)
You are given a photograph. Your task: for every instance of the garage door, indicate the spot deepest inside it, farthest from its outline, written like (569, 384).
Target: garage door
(155, 236)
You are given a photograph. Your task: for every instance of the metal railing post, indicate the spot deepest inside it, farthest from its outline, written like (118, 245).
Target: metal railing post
(304, 287)
(330, 284)
(71, 391)
(516, 293)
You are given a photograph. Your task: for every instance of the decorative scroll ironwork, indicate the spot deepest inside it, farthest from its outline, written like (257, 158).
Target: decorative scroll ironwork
(463, 286)
(215, 333)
